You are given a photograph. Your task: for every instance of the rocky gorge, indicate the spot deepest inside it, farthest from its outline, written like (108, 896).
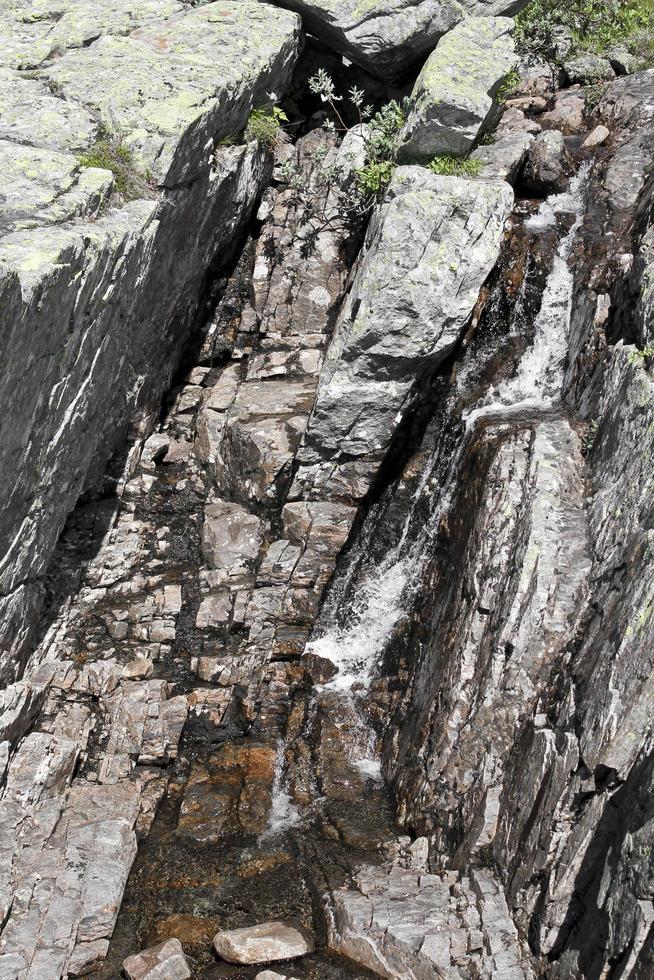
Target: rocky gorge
(326, 567)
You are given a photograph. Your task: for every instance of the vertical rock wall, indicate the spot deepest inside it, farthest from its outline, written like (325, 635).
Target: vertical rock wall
(96, 300)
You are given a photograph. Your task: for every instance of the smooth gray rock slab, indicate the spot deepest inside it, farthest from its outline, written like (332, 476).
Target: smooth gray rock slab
(454, 94)
(388, 36)
(262, 943)
(430, 246)
(163, 962)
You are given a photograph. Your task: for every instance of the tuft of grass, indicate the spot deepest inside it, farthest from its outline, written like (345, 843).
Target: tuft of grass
(110, 153)
(446, 166)
(265, 125)
(508, 86)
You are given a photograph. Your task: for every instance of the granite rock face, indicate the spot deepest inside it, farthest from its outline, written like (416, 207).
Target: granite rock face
(454, 95)
(96, 299)
(430, 246)
(388, 36)
(524, 745)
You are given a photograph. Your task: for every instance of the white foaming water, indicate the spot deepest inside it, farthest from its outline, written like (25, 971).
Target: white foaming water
(537, 384)
(283, 815)
(354, 649)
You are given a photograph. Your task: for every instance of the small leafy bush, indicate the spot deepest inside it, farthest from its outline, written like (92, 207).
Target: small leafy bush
(265, 125)
(447, 166)
(594, 25)
(382, 141)
(508, 86)
(374, 177)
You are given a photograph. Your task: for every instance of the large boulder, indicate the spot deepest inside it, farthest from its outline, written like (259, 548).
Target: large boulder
(388, 36)
(430, 246)
(97, 292)
(454, 97)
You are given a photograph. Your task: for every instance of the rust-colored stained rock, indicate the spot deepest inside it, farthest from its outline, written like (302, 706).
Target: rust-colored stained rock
(230, 792)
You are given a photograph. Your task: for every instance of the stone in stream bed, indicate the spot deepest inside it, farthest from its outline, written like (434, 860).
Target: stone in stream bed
(271, 975)
(263, 943)
(163, 962)
(454, 97)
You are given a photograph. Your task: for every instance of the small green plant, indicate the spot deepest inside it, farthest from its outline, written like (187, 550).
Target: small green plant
(110, 153)
(508, 86)
(642, 356)
(588, 437)
(593, 95)
(447, 166)
(488, 139)
(374, 177)
(265, 125)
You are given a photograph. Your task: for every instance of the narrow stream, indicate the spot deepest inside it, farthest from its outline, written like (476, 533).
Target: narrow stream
(275, 796)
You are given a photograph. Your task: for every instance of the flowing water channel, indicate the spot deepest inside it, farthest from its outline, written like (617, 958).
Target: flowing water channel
(276, 796)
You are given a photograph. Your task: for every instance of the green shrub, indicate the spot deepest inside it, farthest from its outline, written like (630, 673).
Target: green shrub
(594, 25)
(446, 166)
(265, 126)
(374, 177)
(508, 86)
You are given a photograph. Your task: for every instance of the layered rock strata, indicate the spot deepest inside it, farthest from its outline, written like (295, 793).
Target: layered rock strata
(429, 248)
(97, 299)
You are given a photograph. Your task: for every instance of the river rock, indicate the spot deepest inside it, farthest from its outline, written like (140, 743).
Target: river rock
(548, 165)
(454, 95)
(432, 242)
(567, 114)
(163, 962)
(596, 137)
(388, 36)
(113, 291)
(271, 975)
(504, 158)
(263, 943)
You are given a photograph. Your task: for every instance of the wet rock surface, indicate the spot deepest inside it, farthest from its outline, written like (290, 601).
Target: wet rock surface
(163, 962)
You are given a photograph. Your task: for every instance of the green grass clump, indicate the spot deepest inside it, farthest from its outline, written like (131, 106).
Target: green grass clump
(265, 126)
(109, 153)
(446, 166)
(595, 26)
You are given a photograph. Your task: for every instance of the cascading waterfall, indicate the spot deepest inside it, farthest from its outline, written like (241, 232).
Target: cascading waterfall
(536, 386)
(360, 617)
